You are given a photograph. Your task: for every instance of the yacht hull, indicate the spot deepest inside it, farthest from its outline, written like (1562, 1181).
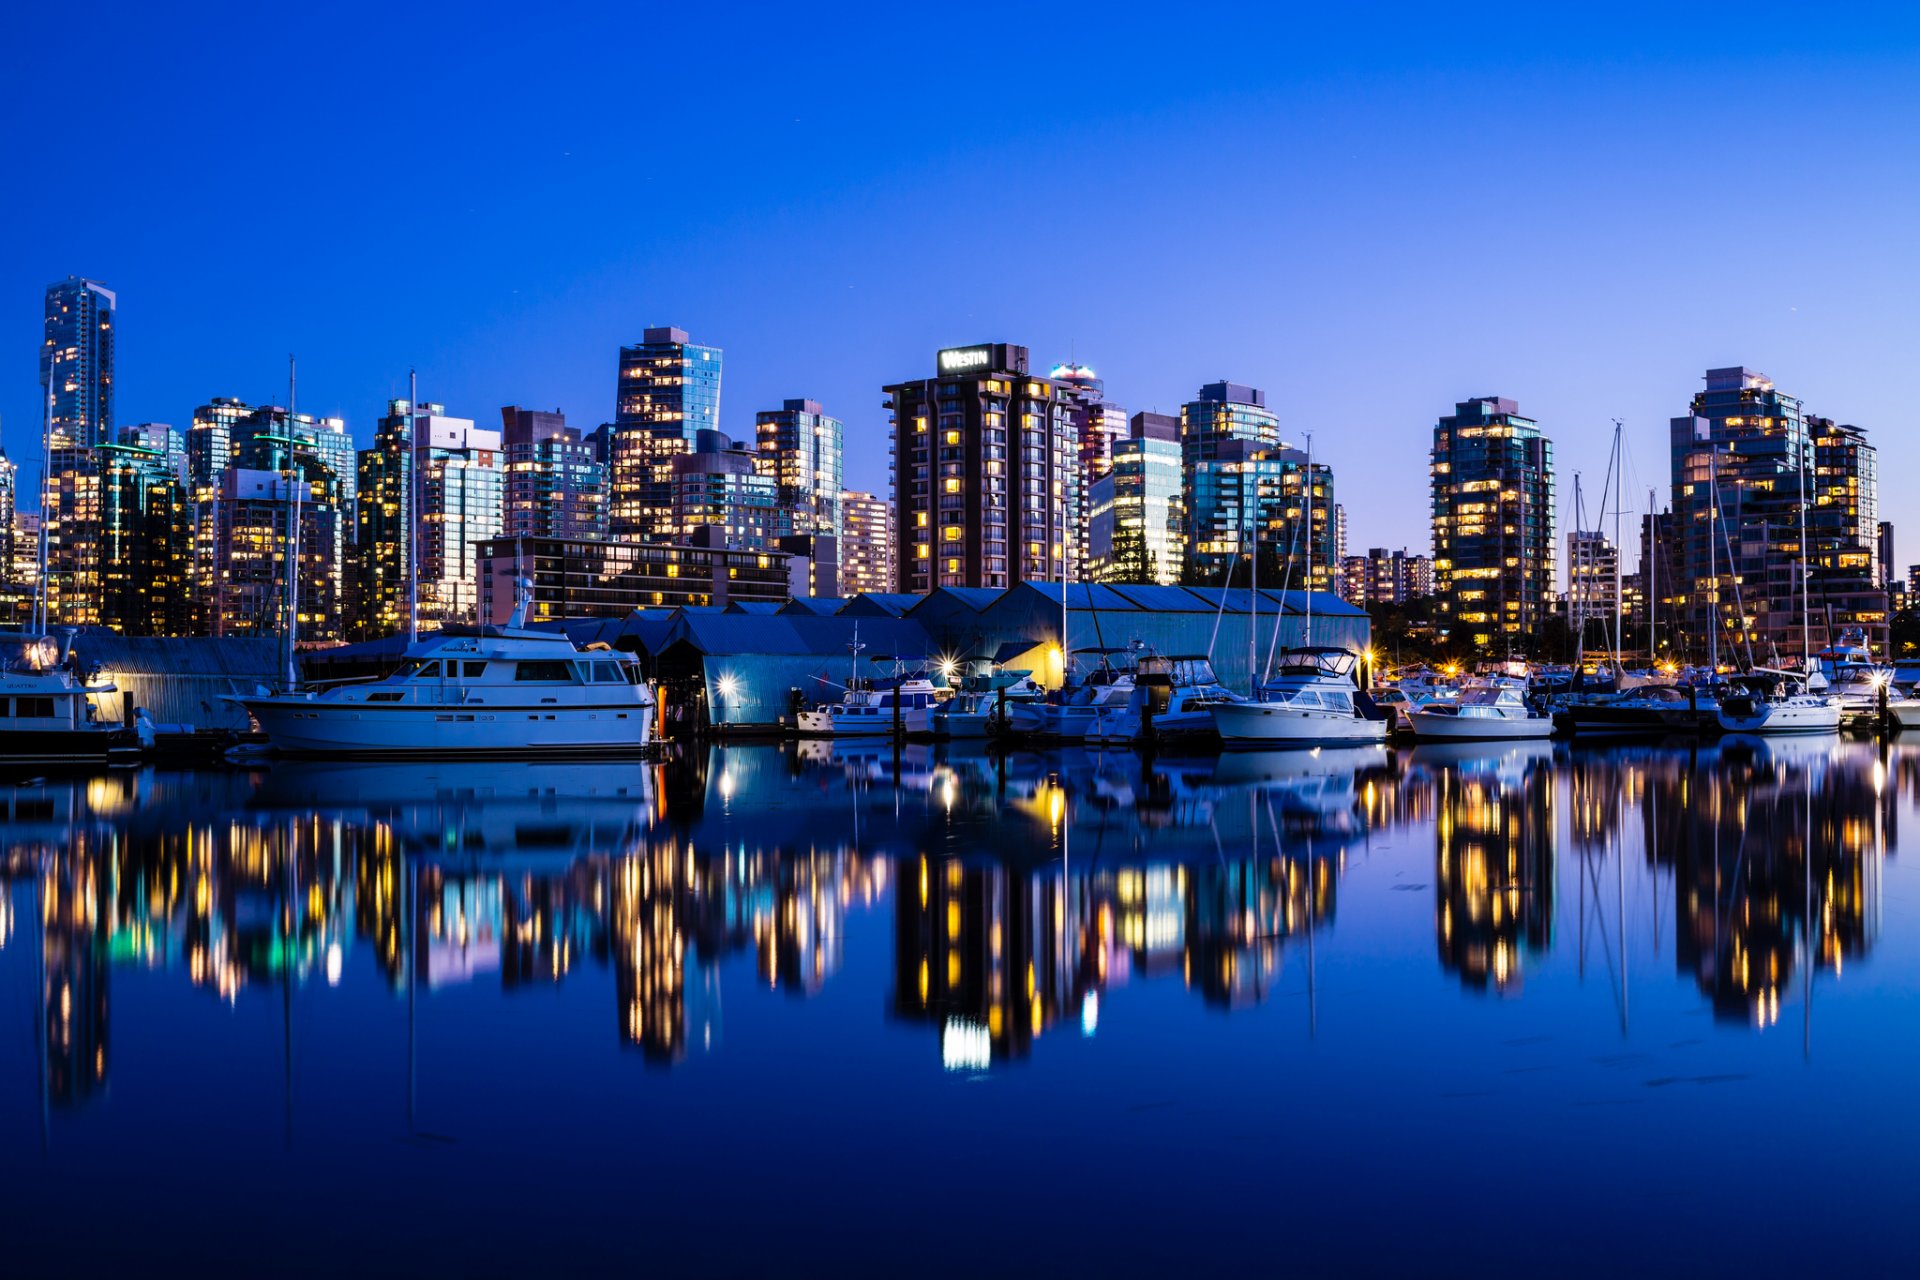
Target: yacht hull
(311, 727)
(67, 746)
(1453, 728)
(1254, 724)
(1780, 720)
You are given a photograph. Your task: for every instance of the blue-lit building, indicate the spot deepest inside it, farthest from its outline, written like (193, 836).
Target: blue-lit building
(76, 362)
(800, 447)
(1492, 489)
(668, 389)
(1136, 509)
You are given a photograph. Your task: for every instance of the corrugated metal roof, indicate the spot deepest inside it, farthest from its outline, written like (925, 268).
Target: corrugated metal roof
(890, 604)
(819, 606)
(765, 608)
(1160, 599)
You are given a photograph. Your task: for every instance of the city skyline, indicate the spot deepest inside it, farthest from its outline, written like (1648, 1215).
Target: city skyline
(792, 258)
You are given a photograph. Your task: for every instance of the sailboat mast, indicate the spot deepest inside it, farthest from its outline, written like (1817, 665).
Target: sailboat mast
(46, 473)
(1806, 605)
(293, 533)
(1650, 582)
(1582, 580)
(412, 463)
(1252, 539)
(1619, 549)
(1713, 561)
(1308, 482)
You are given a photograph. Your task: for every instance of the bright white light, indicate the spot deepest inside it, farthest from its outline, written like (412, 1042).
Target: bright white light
(335, 962)
(965, 1046)
(1090, 1014)
(726, 786)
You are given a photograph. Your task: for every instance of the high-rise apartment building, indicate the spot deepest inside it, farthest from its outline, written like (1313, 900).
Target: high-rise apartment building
(668, 389)
(1744, 577)
(986, 469)
(722, 499)
(555, 486)
(800, 447)
(383, 529)
(76, 363)
(247, 527)
(1492, 486)
(866, 544)
(168, 441)
(10, 594)
(1386, 577)
(1243, 494)
(1135, 517)
(145, 542)
(1884, 539)
(460, 494)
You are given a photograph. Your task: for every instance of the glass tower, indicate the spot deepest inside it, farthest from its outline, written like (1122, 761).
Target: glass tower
(1136, 525)
(1492, 489)
(668, 389)
(799, 448)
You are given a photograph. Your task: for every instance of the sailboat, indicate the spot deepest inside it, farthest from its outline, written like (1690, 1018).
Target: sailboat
(1311, 700)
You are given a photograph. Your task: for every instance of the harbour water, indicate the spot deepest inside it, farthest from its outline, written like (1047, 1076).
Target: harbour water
(814, 1009)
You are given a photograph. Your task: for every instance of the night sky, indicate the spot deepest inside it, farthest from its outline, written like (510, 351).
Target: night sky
(1369, 216)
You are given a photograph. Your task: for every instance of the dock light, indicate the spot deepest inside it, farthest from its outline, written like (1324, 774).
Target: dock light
(947, 667)
(728, 686)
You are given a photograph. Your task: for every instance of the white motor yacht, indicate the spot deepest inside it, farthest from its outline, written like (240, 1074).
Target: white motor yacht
(45, 708)
(471, 691)
(970, 713)
(1768, 701)
(1310, 703)
(1482, 713)
(869, 712)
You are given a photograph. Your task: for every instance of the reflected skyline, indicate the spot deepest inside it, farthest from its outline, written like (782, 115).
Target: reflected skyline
(1022, 892)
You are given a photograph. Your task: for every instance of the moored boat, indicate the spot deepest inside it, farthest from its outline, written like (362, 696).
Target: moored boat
(1312, 702)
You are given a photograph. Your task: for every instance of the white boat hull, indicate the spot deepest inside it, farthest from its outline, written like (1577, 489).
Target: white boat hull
(1823, 718)
(1455, 728)
(314, 726)
(1277, 724)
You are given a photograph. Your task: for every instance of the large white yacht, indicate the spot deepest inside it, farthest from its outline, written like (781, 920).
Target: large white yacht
(472, 691)
(1310, 703)
(45, 710)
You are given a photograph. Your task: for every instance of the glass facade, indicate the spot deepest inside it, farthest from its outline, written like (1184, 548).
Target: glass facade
(1246, 495)
(668, 389)
(76, 363)
(145, 543)
(1136, 513)
(1744, 588)
(577, 578)
(720, 499)
(383, 537)
(555, 486)
(1492, 486)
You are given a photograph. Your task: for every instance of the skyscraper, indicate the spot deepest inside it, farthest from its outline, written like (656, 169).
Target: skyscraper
(1740, 575)
(986, 482)
(1492, 484)
(800, 448)
(246, 530)
(10, 593)
(383, 529)
(76, 363)
(460, 494)
(866, 544)
(145, 542)
(555, 487)
(668, 388)
(1592, 562)
(1135, 520)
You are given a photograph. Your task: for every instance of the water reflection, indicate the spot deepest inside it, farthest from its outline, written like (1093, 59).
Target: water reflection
(1026, 892)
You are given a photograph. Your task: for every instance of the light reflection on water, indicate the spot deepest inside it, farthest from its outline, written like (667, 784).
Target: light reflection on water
(295, 967)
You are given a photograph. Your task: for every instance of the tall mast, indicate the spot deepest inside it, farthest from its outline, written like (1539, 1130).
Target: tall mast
(1309, 488)
(46, 473)
(411, 460)
(1582, 581)
(1806, 605)
(1650, 584)
(1252, 539)
(1713, 559)
(1619, 550)
(293, 535)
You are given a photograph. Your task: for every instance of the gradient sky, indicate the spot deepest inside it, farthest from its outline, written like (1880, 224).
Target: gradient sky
(1369, 214)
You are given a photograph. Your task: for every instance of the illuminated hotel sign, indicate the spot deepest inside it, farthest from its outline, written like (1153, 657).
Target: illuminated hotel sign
(966, 359)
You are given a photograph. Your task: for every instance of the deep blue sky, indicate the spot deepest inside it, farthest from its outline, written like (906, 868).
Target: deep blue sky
(1368, 216)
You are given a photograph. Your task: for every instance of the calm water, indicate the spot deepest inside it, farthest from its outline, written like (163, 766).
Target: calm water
(757, 1008)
